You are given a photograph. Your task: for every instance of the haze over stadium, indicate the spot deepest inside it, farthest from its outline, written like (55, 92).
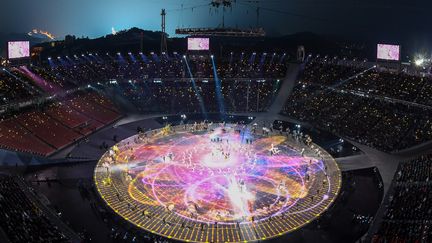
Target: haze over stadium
(215, 121)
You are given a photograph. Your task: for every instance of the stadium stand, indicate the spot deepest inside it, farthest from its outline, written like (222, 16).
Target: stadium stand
(374, 107)
(13, 88)
(26, 221)
(76, 110)
(14, 137)
(409, 211)
(47, 129)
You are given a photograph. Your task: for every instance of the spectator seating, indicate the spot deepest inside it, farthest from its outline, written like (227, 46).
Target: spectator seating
(44, 130)
(409, 211)
(24, 221)
(378, 108)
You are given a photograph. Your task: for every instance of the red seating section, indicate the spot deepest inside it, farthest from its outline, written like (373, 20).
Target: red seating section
(51, 131)
(70, 117)
(88, 106)
(61, 124)
(15, 137)
(73, 118)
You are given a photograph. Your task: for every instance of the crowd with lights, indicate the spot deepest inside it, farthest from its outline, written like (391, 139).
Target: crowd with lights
(68, 95)
(165, 83)
(12, 89)
(380, 108)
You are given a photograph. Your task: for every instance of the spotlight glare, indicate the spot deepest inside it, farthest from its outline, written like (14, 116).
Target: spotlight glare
(419, 62)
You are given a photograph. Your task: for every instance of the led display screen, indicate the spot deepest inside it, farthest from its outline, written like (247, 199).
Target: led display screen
(18, 49)
(198, 44)
(388, 52)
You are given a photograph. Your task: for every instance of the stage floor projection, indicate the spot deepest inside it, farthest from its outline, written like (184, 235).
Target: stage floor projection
(217, 182)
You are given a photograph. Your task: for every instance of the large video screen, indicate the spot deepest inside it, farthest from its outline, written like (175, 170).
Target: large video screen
(18, 49)
(388, 52)
(198, 44)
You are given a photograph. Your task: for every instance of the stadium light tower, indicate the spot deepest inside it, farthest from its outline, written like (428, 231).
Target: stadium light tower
(164, 47)
(419, 61)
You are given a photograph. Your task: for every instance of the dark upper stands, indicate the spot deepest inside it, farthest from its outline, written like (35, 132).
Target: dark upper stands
(21, 219)
(409, 211)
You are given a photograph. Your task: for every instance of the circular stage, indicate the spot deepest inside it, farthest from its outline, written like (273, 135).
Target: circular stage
(218, 182)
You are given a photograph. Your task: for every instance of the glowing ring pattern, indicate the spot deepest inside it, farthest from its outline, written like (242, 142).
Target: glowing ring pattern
(223, 183)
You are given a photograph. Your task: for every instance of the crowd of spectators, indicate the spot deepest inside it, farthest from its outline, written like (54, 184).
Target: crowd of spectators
(171, 96)
(151, 84)
(165, 83)
(382, 109)
(20, 217)
(408, 215)
(401, 232)
(88, 69)
(154, 83)
(418, 170)
(14, 87)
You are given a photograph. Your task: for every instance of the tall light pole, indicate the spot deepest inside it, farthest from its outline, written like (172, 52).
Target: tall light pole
(164, 47)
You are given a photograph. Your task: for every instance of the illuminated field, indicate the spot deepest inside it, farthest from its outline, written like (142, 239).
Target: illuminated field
(217, 183)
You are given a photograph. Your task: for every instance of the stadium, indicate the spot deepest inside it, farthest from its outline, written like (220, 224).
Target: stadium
(227, 133)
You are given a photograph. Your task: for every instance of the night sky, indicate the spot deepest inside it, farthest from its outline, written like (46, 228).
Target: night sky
(387, 20)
